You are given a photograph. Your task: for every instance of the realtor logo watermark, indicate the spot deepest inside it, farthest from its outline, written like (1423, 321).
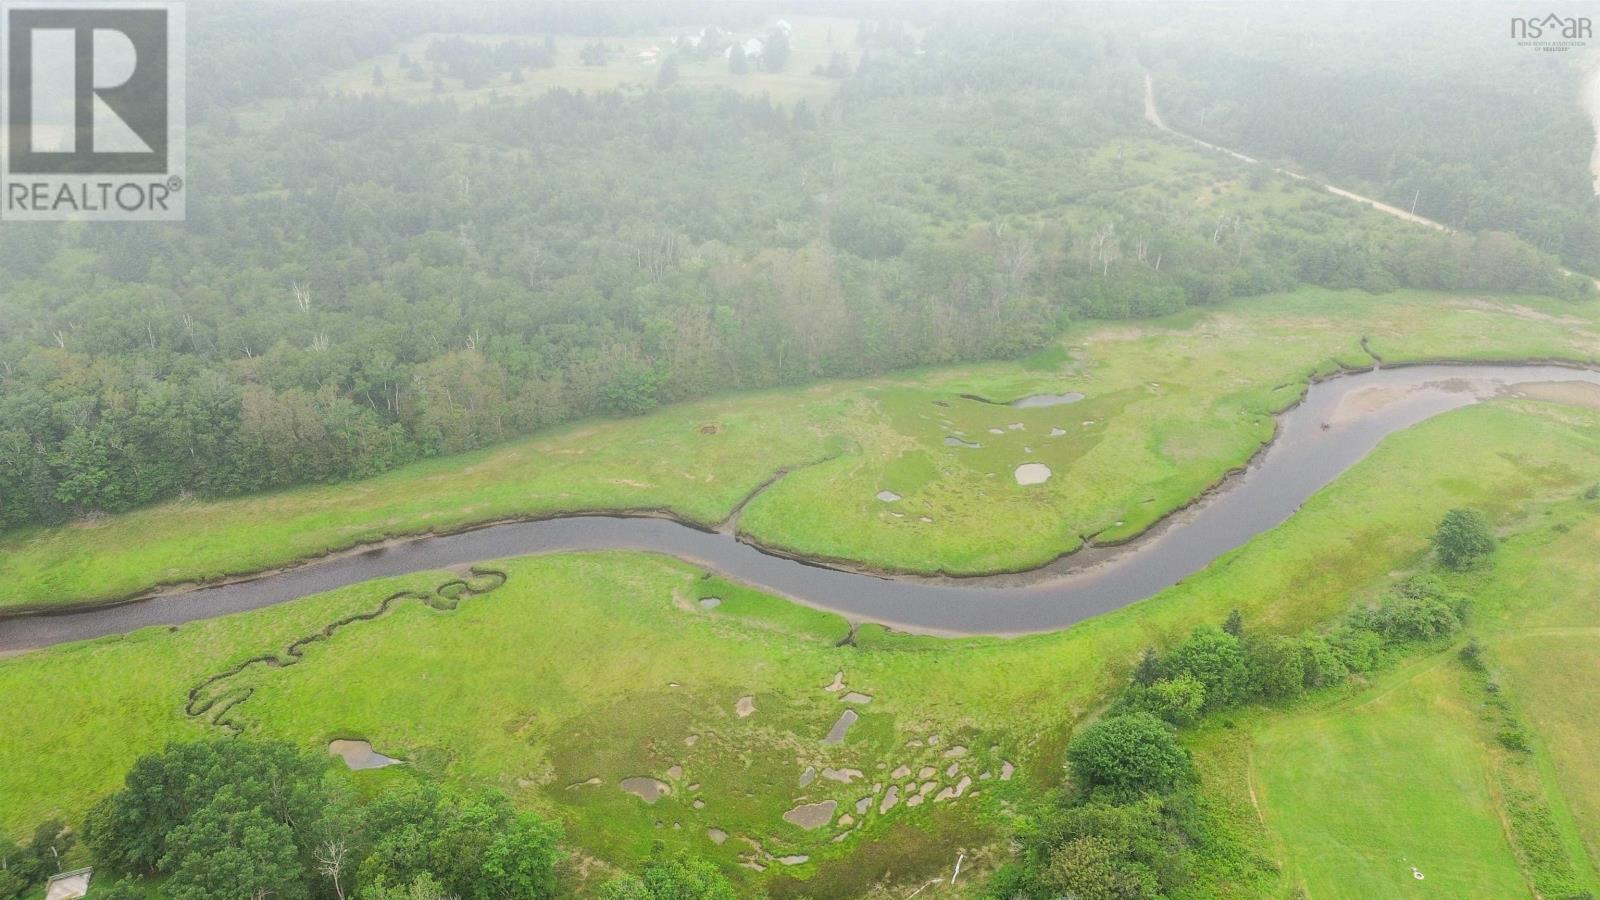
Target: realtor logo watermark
(92, 125)
(1552, 33)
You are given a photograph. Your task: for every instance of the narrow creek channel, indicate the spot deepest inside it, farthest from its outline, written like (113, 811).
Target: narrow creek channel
(1340, 421)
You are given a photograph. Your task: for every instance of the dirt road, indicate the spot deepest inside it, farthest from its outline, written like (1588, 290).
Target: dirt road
(1153, 115)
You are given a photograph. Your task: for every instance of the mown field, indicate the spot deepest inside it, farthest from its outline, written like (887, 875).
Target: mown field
(605, 666)
(1170, 405)
(1410, 770)
(1395, 778)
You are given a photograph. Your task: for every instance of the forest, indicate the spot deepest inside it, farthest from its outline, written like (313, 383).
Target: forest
(1466, 128)
(366, 281)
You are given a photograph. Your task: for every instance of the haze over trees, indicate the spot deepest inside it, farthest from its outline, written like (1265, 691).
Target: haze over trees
(1466, 126)
(367, 281)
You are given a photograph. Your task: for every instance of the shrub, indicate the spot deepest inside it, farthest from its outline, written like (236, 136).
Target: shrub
(1359, 649)
(1212, 657)
(125, 889)
(1515, 737)
(1275, 669)
(1093, 867)
(1463, 538)
(1178, 699)
(1403, 620)
(1131, 753)
(679, 878)
(1320, 662)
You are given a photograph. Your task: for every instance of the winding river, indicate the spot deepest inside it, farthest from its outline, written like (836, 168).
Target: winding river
(1339, 422)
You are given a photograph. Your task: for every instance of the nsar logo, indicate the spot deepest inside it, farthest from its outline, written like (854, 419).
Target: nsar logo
(1553, 32)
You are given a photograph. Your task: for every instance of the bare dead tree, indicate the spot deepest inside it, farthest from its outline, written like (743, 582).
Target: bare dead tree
(302, 295)
(1105, 247)
(1224, 222)
(657, 253)
(331, 859)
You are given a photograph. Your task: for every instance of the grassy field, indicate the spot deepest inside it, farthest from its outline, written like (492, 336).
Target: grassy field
(1410, 771)
(1170, 406)
(1553, 674)
(1361, 792)
(605, 665)
(1545, 621)
(813, 41)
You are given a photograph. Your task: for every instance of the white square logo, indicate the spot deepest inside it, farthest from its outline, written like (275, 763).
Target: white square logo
(92, 126)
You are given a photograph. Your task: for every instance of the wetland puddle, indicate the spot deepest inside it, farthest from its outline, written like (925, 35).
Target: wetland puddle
(359, 755)
(1036, 400)
(647, 789)
(1339, 422)
(836, 734)
(812, 815)
(1032, 473)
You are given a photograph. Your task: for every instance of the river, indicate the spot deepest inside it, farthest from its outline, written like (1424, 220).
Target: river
(1339, 422)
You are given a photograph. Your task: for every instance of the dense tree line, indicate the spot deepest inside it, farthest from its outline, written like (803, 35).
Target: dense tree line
(366, 282)
(245, 818)
(475, 63)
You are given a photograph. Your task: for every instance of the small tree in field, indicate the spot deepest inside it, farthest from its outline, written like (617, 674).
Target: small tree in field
(1131, 753)
(1463, 539)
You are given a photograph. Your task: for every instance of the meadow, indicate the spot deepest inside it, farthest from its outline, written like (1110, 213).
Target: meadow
(1170, 406)
(607, 666)
(1395, 778)
(1411, 770)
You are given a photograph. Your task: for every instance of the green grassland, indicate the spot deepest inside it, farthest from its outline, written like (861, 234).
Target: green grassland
(603, 665)
(1361, 792)
(813, 41)
(1546, 617)
(1172, 404)
(1408, 770)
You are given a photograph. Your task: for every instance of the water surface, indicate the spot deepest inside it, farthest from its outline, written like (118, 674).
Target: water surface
(1339, 422)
